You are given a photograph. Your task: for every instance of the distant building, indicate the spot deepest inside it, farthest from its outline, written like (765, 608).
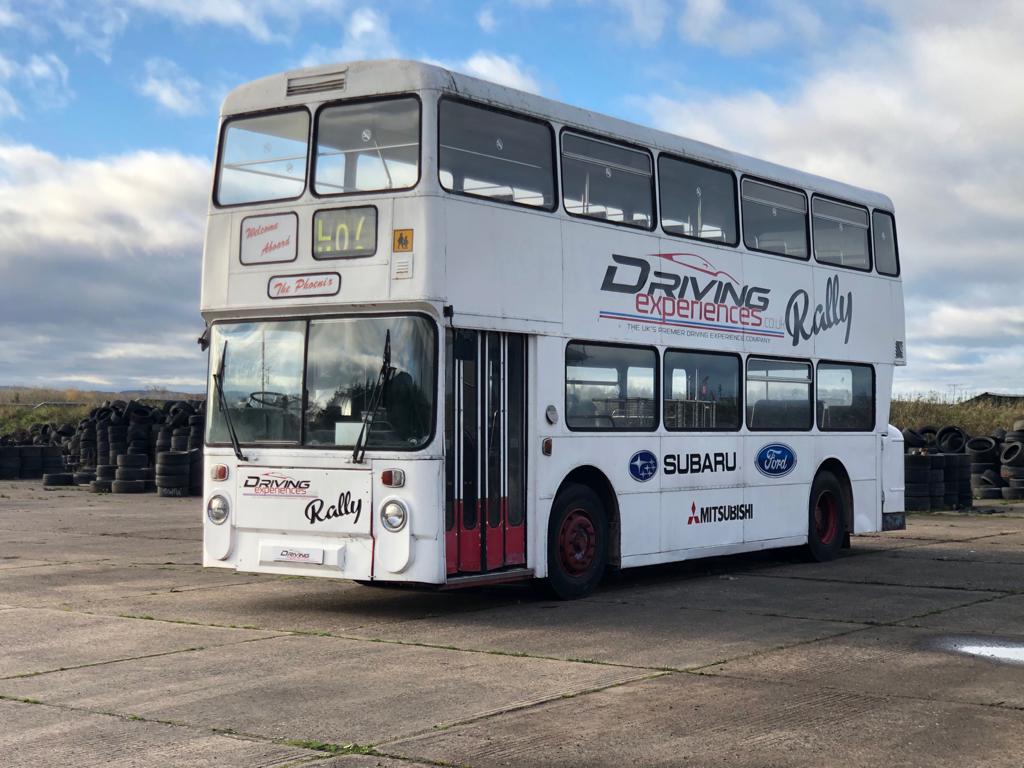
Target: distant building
(996, 398)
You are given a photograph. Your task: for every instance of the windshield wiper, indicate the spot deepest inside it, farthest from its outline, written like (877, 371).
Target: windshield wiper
(375, 395)
(218, 380)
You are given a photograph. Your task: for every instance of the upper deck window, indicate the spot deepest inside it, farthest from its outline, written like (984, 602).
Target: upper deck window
(606, 181)
(774, 219)
(263, 158)
(840, 234)
(367, 146)
(883, 227)
(697, 201)
(492, 154)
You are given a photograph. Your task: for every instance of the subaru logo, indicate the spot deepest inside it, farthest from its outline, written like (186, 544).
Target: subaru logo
(775, 460)
(643, 465)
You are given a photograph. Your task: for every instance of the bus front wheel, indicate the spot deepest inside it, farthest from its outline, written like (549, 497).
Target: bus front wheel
(577, 542)
(826, 525)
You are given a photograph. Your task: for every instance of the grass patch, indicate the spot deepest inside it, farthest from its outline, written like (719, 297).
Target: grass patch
(975, 418)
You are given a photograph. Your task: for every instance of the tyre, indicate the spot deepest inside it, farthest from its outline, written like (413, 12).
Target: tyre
(1012, 455)
(913, 439)
(131, 473)
(983, 450)
(1017, 482)
(133, 460)
(917, 475)
(100, 486)
(988, 493)
(979, 468)
(951, 440)
(917, 504)
(128, 486)
(577, 542)
(936, 475)
(58, 478)
(173, 481)
(826, 518)
(1012, 494)
(917, 461)
(916, 489)
(173, 470)
(172, 457)
(937, 460)
(84, 478)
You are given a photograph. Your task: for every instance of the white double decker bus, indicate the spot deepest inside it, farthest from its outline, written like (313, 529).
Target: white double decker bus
(462, 334)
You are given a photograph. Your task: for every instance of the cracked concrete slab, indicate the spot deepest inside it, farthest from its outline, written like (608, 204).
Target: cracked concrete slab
(898, 661)
(321, 688)
(647, 635)
(42, 548)
(1003, 615)
(685, 719)
(765, 593)
(34, 735)
(76, 585)
(41, 640)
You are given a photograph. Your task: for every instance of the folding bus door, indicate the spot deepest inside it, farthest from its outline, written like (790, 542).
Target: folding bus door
(485, 451)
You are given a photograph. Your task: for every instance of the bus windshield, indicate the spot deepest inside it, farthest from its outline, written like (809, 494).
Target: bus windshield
(265, 377)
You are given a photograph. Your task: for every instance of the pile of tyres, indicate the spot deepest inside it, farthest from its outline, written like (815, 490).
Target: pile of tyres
(119, 447)
(946, 469)
(997, 469)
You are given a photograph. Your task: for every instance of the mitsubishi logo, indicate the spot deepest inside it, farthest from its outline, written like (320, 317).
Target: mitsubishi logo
(693, 514)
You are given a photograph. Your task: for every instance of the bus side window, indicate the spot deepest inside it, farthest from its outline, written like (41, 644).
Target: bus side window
(883, 230)
(779, 395)
(697, 200)
(702, 391)
(610, 387)
(846, 397)
(840, 234)
(774, 219)
(485, 153)
(606, 181)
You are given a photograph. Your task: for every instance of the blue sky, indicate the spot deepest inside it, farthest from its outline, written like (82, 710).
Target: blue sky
(108, 116)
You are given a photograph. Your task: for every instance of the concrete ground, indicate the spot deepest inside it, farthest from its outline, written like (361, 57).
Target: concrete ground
(117, 648)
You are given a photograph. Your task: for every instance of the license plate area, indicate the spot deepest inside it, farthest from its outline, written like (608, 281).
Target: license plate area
(306, 501)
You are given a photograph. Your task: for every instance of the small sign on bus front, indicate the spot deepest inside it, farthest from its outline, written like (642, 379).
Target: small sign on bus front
(269, 239)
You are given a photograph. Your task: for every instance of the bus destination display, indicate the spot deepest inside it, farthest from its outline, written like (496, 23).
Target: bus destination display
(344, 233)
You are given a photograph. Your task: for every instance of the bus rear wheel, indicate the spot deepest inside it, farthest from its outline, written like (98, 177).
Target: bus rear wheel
(826, 525)
(577, 542)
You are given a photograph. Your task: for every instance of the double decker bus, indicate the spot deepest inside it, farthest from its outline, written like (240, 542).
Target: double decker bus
(461, 334)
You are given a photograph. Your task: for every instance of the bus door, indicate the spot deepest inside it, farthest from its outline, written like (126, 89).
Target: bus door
(485, 451)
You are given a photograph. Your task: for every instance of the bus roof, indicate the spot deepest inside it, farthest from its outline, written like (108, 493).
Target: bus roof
(373, 78)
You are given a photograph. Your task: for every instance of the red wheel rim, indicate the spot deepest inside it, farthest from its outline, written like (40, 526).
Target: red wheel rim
(577, 542)
(826, 517)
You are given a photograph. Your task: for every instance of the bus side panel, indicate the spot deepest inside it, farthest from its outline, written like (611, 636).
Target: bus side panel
(779, 502)
(858, 453)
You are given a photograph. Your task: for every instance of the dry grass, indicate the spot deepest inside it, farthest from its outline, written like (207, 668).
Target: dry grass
(975, 418)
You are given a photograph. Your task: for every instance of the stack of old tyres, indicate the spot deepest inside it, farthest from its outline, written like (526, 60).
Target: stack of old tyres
(103, 438)
(986, 482)
(1012, 460)
(951, 442)
(105, 475)
(195, 472)
(53, 466)
(31, 467)
(84, 476)
(10, 462)
(179, 439)
(937, 481)
(173, 473)
(87, 442)
(917, 473)
(117, 436)
(132, 474)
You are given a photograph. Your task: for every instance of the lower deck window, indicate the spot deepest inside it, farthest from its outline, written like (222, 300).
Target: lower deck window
(846, 397)
(702, 391)
(779, 395)
(610, 388)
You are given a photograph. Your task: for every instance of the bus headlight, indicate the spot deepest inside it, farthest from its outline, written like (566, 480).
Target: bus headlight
(217, 509)
(394, 515)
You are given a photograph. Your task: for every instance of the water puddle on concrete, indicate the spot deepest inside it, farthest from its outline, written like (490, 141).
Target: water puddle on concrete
(989, 648)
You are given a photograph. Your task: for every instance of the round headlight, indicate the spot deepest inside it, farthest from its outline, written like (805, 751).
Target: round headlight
(394, 515)
(217, 510)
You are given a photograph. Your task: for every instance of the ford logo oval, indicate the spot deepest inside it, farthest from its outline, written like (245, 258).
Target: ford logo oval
(643, 465)
(775, 460)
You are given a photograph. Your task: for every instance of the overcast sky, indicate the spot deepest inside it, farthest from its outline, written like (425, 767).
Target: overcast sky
(108, 116)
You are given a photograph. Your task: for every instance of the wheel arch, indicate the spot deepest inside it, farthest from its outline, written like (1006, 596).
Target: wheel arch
(598, 482)
(836, 467)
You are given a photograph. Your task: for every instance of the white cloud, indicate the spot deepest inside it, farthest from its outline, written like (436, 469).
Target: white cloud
(47, 77)
(930, 113)
(168, 85)
(486, 19)
(367, 36)
(99, 260)
(504, 70)
(92, 26)
(713, 24)
(646, 18)
(264, 20)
